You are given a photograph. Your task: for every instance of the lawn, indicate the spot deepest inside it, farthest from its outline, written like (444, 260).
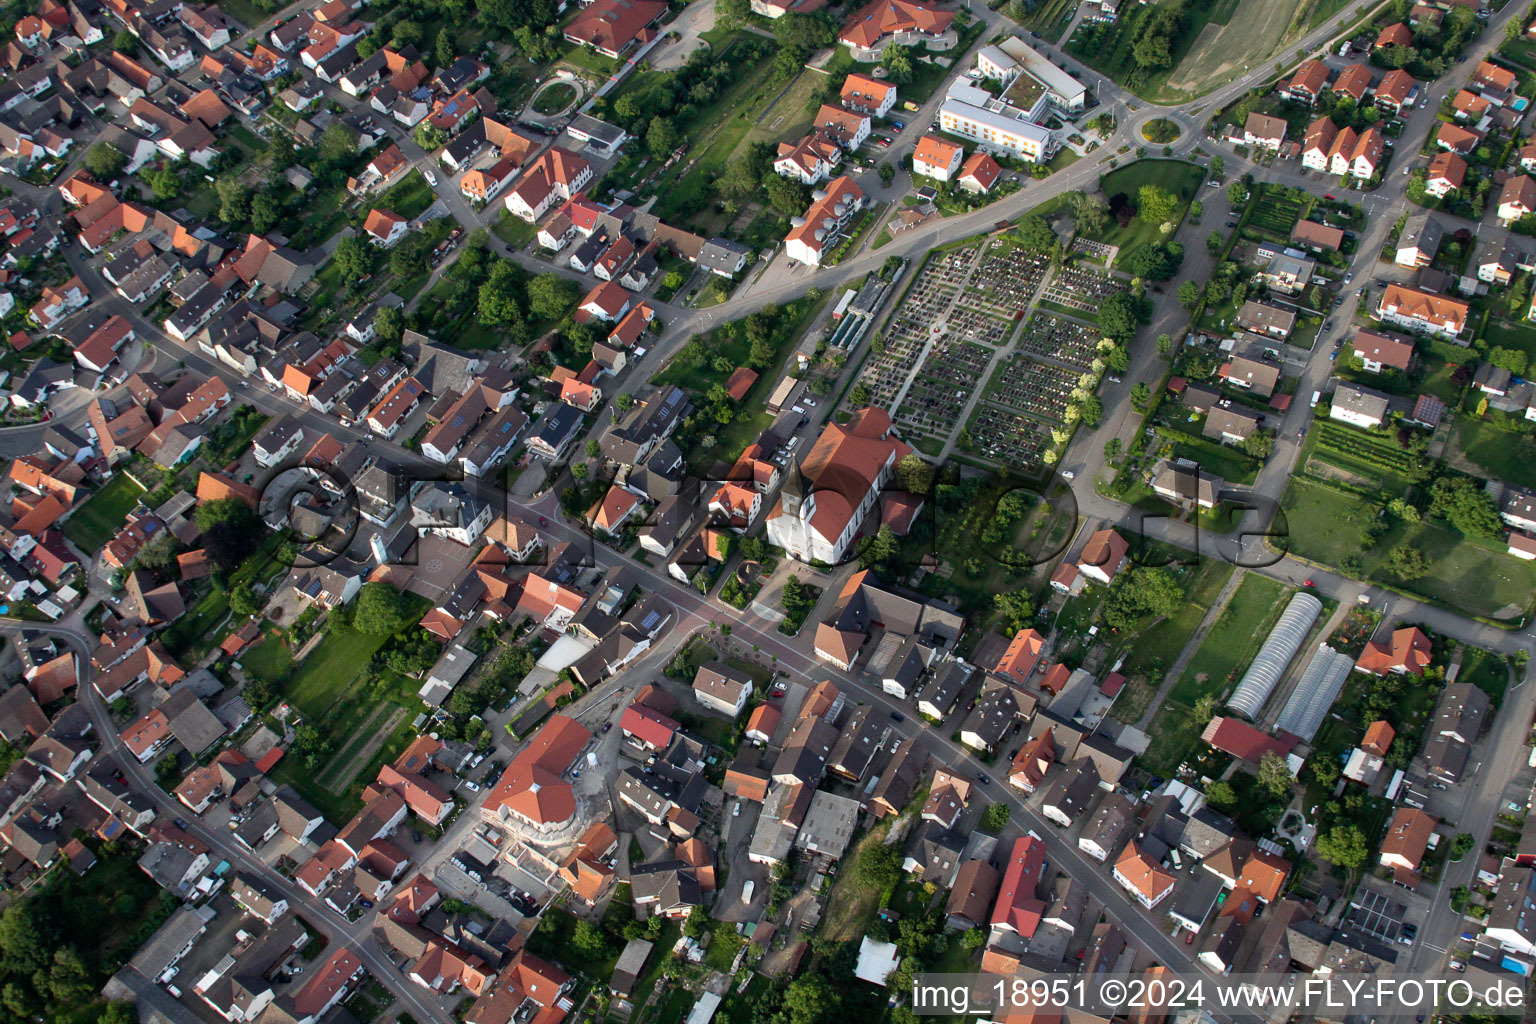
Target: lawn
(1502, 454)
(853, 902)
(1474, 576)
(1233, 639)
(409, 197)
(1486, 671)
(714, 134)
(1176, 176)
(1156, 647)
(329, 671)
(92, 524)
(268, 659)
(1050, 18)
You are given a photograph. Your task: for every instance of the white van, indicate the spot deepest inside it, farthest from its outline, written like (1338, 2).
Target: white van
(1316, 395)
(746, 891)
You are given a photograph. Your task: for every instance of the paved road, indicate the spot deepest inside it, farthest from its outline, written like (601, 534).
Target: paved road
(682, 325)
(357, 935)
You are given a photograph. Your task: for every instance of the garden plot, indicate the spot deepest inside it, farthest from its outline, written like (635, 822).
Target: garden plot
(1007, 436)
(1005, 282)
(1055, 337)
(1082, 288)
(1276, 212)
(1034, 388)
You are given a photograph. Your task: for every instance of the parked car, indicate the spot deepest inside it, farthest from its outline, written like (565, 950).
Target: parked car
(897, 716)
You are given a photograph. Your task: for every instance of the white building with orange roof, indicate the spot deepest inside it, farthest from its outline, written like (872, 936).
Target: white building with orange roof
(868, 95)
(937, 157)
(826, 500)
(816, 234)
(557, 175)
(384, 228)
(533, 790)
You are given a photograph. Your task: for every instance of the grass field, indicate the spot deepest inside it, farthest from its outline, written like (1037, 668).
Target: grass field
(852, 903)
(1156, 647)
(92, 524)
(1234, 638)
(409, 197)
(1486, 671)
(1180, 178)
(1472, 575)
(1502, 454)
(1050, 18)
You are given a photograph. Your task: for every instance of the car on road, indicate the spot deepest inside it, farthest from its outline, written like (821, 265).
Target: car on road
(897, 716)
(607, 726)
(543, 521)
(1329, 195)
(415, 836)
(426, 172)
(245, 384)
(983, 778)
(1308, 583)
(1113, 379)
(1013, 753)
(899, 126)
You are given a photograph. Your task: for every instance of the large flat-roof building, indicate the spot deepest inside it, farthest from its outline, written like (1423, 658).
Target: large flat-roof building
(996, 124)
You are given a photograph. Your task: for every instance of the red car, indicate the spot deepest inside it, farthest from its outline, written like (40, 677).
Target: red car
(1308, 583)
(543, 521)
(1329, 195)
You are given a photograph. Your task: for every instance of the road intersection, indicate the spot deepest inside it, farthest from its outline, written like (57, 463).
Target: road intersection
(1504, 749)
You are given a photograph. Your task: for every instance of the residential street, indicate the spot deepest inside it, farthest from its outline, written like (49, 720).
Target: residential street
(1502, 753)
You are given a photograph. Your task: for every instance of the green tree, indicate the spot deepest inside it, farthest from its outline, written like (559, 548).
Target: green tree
(887, 174)
(787, 197)
(1034, 233)
(897, 61)
(697, 921)
(164, 182)
(337, 144)
(243, 600)
(409, 257)
(1462, 845)
(1344, 845)
(1220, 794)
(1141, 396)
(126, 43)
(1237, 195)
(389, 324)
(1142, 591)
(1157, 204)
(995, 817)
(732, 13)
(354, 259)
(913, 473)
(588, 940)
(810, 998)
(380, 610)
(230, 531)
(1189, 294)
(266, 211)
(498, 296)
(1275, 776)
(880, 548)
(551, 296)
(1120, 315)
(1259, 444)
(105, 161)
(1407, 563)
(444, 48)
(1090, 212)
(1016, 608)
(1459, 501)
(1218, 166)
(662, 137)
